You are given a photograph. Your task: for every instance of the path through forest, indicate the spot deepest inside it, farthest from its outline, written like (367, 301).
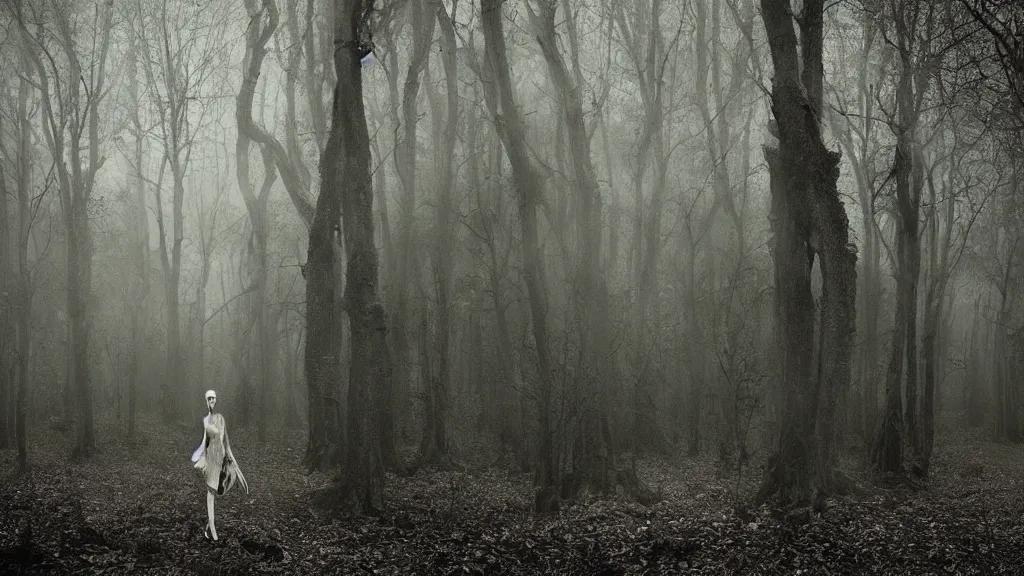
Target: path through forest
(139, 508)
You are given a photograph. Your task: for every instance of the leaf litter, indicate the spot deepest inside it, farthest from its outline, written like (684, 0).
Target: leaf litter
(140, 508)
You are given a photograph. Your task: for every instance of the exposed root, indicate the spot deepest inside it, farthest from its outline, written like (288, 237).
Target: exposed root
(792, 488)
(787, 486)
(575, 483)
(635, 488)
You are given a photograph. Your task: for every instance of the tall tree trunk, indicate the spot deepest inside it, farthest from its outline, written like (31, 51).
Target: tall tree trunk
(75, 176)
(79, 256)
(1006, 427)
(174, 376)
(16, 265)
(322, 354)
(939, 239)
(789, 473)
(140, 236)
(434, 447)
(7, 322)
(256, 204)
(871, 286)
(528, 184)
(649, 63)
(23, 281)
(838, 315)
(595, 458)
(79, 238)
(908, 172)
(510, 433)
(405, 165)
(808, 217)
(322, 362)
(346, 183)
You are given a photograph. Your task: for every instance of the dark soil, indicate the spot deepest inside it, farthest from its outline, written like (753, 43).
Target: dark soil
(139, 508)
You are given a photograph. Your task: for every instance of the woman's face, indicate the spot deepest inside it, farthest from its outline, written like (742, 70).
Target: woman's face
(211, 402)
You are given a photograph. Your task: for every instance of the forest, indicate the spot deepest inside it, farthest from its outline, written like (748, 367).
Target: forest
(512, 286)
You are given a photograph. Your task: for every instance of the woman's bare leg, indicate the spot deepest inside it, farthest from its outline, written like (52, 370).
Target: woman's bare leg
(209, 514)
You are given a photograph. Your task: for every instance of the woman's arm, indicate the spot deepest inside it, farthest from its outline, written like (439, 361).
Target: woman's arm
(227, 445)
(231, 462)
(198, 453)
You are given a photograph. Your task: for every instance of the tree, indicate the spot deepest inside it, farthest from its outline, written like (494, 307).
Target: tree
(139, 291)
(16, 292)
(207, 213)
(858, 137)
(7, 302)
(1000, 20)
(346, 192)
(404, 270)
(915, 28)
(68, 116)
(511, 130)
(256, 205)
(808, 221)
(323, 362)
(646, 47)
(594, 459)
(434, 448)
(186, 52)
(288, 157)
(948, 230)
(23, 282)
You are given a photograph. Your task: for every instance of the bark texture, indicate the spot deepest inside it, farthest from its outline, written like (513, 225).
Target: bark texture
(345, 175)
(808, 221)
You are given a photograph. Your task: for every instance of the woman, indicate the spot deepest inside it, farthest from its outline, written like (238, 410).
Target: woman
(214, 459)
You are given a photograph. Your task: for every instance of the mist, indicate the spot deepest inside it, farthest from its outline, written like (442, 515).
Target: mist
(561, 276)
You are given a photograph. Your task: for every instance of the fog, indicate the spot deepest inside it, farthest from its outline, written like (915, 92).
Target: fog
(560, 240)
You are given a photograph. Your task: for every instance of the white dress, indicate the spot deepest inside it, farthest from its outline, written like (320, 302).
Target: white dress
(214, 458)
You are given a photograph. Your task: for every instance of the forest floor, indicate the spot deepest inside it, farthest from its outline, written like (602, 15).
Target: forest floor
(139, 508)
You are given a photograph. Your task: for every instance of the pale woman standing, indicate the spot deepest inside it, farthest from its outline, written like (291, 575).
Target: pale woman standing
(214, 459)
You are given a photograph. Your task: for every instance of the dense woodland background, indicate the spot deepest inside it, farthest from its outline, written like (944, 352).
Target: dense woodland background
(562, 238)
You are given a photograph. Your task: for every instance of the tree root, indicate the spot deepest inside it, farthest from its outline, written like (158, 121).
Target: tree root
(635, 488)
(787, 486)
(572, 485)
(804, 488)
